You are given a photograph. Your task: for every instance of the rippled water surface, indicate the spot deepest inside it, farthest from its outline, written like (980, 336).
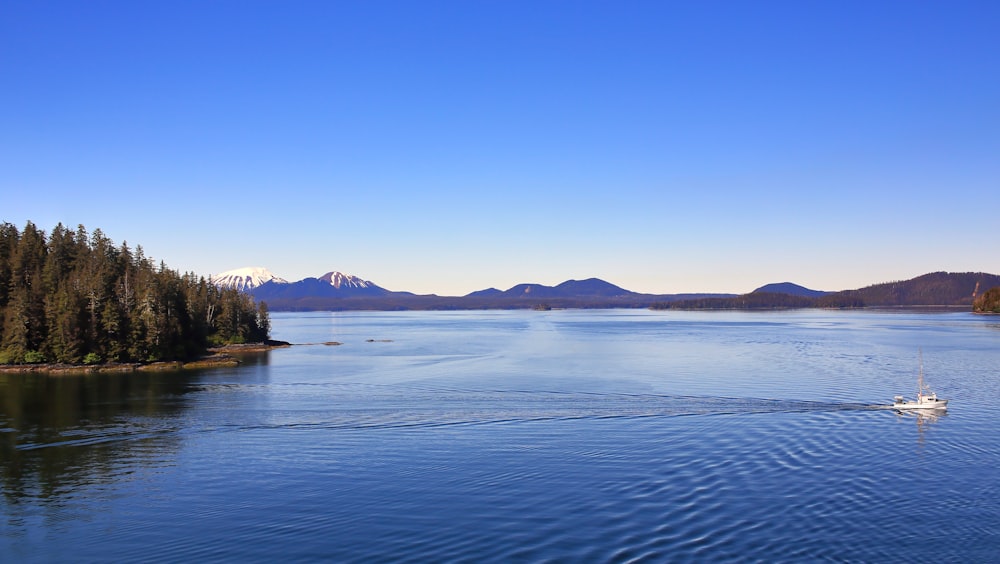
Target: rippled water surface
(528, 436)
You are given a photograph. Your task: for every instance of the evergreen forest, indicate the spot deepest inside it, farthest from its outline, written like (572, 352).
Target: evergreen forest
(77, 298)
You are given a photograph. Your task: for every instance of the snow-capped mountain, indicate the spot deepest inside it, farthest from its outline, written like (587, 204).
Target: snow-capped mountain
(263, 284)
(331, 285)
(340, 281)
(246, 279)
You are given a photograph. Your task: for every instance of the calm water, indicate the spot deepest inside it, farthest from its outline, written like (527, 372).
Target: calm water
(523, 436)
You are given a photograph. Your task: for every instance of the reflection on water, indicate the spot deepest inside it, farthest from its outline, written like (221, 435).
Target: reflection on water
(923, 416)
(65, 430)
(924, 419)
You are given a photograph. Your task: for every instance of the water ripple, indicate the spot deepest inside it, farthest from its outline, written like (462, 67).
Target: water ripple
(725, 438)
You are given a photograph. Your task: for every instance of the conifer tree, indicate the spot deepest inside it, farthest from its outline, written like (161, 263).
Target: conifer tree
(24, 322)
(9, 236)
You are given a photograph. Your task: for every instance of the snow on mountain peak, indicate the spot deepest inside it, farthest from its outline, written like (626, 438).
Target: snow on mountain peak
(245, 279)
(339, 280)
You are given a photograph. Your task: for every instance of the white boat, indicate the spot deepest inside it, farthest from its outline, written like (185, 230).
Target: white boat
(926, 399)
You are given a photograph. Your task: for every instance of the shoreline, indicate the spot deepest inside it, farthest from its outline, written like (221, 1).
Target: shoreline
(215, 357)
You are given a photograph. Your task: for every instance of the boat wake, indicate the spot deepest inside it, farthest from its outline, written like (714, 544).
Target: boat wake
(372, 407)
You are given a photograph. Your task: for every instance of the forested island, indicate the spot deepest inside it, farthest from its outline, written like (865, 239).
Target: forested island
(73, 297)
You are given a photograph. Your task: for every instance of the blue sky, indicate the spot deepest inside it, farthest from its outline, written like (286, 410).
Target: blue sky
(447, 147)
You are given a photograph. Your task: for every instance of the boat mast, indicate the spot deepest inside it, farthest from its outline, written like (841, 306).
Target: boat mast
(920, 376)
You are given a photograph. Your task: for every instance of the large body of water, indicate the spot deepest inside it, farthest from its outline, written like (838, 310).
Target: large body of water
(613, 435)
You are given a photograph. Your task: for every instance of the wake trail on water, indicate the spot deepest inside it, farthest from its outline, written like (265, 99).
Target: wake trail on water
(430, 408)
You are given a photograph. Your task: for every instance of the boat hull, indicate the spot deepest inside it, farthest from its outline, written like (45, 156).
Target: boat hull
(936, 404)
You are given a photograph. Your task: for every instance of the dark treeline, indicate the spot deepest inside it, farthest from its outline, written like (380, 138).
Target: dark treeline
(75, 297)
(754, 300)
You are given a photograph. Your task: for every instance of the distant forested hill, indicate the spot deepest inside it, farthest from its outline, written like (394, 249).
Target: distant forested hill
(790, 289)
(75, 297)
(934, 289)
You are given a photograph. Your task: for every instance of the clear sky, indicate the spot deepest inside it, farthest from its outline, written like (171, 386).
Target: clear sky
(447, 147)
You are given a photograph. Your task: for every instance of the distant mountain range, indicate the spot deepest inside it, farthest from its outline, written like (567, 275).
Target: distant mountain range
(591, 287)
(264, 285)
(335, 291)
(957, 289)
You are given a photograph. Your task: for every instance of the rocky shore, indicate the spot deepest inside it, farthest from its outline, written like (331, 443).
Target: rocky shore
(250, 347)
